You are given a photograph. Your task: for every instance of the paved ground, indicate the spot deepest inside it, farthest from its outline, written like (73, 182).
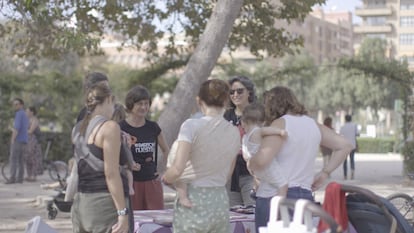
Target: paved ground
(380, 173)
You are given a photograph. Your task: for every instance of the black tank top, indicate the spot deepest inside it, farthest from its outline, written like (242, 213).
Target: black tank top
(91, 181)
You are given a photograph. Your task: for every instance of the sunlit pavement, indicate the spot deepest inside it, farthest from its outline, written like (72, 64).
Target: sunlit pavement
(380, 173)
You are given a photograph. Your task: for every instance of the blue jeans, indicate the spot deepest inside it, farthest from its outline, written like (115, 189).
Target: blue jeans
(262, 210)
(352, 162)
(299, 193)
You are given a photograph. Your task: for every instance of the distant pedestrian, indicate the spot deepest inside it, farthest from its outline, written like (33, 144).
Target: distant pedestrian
(326, 152)
(350, 131)
(33, 150)
(18, 142)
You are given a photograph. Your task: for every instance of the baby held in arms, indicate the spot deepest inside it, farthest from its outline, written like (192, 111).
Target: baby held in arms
(252, 121)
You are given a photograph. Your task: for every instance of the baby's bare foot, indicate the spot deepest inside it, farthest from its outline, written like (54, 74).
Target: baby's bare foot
(186, 202)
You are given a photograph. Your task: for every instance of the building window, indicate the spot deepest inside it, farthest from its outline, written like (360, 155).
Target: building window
(376, 35)
(407, 39)
(375, 4)
(409, 59)
(376, 20)
(407, 21)
(406, 5)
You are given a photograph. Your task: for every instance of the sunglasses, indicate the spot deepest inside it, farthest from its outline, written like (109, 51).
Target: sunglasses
(238, 90)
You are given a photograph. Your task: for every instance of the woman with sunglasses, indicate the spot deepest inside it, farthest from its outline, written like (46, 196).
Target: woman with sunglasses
(242, 93)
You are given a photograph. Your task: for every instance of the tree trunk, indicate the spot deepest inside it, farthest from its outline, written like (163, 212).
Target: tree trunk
(199, 67)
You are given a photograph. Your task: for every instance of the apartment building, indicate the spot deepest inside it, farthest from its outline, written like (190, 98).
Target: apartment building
(328, 36)
(392, 20)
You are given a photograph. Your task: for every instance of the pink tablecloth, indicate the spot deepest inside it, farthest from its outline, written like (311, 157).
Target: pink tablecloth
(159, 221)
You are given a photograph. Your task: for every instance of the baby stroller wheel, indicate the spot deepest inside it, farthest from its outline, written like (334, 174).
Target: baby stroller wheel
(52, 212)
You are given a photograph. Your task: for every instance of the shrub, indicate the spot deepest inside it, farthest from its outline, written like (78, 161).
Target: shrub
(375, 145)
(61, 147)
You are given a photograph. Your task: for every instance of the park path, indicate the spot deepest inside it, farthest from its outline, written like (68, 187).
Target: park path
(380, 173)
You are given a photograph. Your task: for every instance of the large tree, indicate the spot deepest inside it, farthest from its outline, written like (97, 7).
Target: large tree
(52, 28)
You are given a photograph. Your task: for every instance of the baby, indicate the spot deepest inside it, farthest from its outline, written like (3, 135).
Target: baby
(119, 115)
(179, 186)
(252, 121)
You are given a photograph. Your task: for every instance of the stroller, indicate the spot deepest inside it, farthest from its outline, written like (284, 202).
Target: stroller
(58, 202)
(368, 212)
(346, 208)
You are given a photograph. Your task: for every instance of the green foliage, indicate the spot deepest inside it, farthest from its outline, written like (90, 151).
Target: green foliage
(147, 75)
(375, 145)
(326, 87)
(393, 76)
(56, 97)
(52, 28)
(61, 148)
(300, 74)
(10, 87)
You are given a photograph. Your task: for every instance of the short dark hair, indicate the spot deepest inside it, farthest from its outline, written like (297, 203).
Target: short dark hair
(33, 110)
(136, 94)
(19, 100)
(348, 118)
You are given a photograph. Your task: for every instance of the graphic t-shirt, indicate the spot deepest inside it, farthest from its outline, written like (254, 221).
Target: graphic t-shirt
(143, 148)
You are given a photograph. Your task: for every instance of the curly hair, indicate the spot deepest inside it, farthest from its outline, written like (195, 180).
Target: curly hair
(279, 101)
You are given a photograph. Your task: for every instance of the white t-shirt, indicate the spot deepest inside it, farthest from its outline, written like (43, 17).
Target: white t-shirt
(226, 152)
(350, 131)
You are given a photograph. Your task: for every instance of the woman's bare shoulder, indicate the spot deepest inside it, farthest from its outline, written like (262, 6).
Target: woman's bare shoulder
(110, 127)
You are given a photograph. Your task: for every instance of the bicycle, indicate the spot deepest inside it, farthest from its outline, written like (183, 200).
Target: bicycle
(58, 170)
(404, 203)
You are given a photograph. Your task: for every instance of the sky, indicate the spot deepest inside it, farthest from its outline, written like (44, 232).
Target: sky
(343, 5)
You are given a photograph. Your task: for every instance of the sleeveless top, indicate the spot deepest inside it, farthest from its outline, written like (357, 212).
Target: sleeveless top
(298, 153)
(92, 178)
(249, 147)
